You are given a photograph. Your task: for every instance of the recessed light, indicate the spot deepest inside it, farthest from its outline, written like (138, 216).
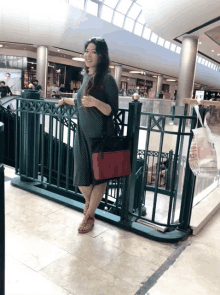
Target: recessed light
(154, 76)
(212, 50)
(78, 58)
(218, 54)
(171, 80)
(112, 67)
(200, 42)
(1, 45)
(135, 72)
(58, 49)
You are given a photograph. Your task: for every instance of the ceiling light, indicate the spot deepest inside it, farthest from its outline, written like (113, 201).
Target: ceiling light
(1, 45)
(78, 58)
(200, 42)
(212, 50)
(218, 54)
(135, 72)
(58, 49)
(112, 67)
(155, 76)
(171, 80)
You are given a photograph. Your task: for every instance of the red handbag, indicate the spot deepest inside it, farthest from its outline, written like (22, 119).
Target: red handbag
(111, 155)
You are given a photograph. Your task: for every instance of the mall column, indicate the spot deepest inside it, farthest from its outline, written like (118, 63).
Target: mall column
(118, 72)
(159, 85)
(42, 66)
(187, 70)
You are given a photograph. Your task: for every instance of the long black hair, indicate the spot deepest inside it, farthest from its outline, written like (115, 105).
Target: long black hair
(102, 66)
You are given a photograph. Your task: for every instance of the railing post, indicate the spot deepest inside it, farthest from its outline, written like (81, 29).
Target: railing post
(2, 212)
(189, 183)
(30, 135)
(134, 117)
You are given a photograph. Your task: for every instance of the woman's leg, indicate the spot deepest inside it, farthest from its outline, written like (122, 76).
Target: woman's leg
(96, 197)
(86, 192)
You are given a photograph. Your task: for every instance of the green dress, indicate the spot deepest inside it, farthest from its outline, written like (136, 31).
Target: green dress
(90, 124)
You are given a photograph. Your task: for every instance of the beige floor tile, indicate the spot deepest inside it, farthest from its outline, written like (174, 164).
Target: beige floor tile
(83, 246)
(31, 251)
(78, 276)
(22, 280)
(196, 271)
(153, 252)
(42, 205)
(120, 287)
(130, 268)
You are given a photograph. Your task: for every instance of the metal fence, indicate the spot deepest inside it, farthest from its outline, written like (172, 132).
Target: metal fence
(160, 178)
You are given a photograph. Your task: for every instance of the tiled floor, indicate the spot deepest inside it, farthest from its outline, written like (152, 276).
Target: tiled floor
(46, 255)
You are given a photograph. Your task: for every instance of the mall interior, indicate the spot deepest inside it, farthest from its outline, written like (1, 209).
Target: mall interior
(156, 231)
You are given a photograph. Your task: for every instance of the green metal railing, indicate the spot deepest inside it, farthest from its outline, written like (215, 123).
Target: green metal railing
(126, 201)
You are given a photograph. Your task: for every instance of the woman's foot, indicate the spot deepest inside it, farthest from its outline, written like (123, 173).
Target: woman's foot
(86, 224)
(85, 209)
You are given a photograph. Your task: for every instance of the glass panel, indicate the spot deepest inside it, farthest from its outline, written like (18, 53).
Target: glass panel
(209, 64)
(139, 2)
(111, 3)
(173, 47)
(141, 19)
(206, 62)
(138, 29)
(203, 61)
(135, 10)
(154, 38)
(107, 13)
(178, 49)
(124, 6)
(129, 24)
(118, 19)
(160, 41)
(167, 45)
(214, 67)
(79, 3)
(92, 8)
(146, 33)
(199, 60)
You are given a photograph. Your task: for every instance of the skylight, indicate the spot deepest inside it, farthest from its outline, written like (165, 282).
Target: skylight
(173, 47)
(123, 6)
(154, 37)
(167, 45)
(134, 11)
(147, 33)
(129, 24)
(111, 3)
(160, 41)
(106, 13)
(118, 19)
(92, 8)
(79, 3)
(138, 29)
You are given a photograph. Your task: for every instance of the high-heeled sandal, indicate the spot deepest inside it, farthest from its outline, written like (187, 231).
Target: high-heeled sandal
(86, 224)
(85, 209)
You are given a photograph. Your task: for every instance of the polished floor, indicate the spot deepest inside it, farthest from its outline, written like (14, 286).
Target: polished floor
(46, 255)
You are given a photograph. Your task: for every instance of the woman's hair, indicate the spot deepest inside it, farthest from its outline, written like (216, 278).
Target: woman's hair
(102, 66)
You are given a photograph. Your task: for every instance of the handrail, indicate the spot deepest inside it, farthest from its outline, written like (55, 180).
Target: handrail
(201, 102)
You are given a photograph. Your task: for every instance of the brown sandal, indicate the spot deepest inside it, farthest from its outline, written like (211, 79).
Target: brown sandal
(85, 209)
(87, 224)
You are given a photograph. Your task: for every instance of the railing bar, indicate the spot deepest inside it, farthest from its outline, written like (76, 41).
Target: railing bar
(16, 139)
(59, 155)
(50, 146)
(42, 144)
(68, 152)
(26, 143)
(34, 175)
(174, 172)
(157, 171)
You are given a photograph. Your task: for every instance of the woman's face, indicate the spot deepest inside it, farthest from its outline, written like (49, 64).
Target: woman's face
(91, 56)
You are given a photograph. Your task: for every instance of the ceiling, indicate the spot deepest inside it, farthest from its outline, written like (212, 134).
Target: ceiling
(185, 18)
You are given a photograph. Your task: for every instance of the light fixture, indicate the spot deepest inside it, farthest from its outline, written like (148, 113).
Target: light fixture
(1, 45)
(78, 58)
(154, 76)
(171, 80)
(135, 72)
(200, 43)
(212, 50)
(218, 54)
(111, 67)
(58, 49)
(32, 67)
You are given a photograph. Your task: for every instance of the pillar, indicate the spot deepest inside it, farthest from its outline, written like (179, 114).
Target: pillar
(159, 83)
(118, 72)
(187, 69)
(42, 66)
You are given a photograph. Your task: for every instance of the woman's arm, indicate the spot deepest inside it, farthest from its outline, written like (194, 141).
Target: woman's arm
(70, 101)
(103, 107)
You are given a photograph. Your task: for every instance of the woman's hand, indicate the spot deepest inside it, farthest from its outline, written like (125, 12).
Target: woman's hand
(60, 102)
(88, 101)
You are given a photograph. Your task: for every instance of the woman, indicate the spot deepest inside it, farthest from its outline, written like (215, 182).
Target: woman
(96, 99)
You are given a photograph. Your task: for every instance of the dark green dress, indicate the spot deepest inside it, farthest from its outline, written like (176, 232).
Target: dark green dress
(90, 124)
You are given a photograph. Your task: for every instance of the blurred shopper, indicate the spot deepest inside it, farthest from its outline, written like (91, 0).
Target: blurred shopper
(5, 90)
(54, 89)
(36, 85)
(96, 99)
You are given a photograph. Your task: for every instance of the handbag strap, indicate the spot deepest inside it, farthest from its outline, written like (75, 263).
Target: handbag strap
(200, 119)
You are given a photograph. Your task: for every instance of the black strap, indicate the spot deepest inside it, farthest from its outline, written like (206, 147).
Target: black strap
(116, 126)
